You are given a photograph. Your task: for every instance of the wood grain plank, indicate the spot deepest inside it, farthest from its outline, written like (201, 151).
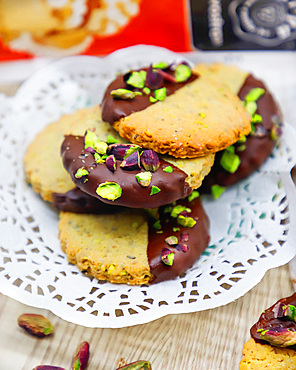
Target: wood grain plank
(208, 340)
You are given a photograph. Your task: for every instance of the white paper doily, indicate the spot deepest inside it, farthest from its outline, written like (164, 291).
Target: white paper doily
(251, 224)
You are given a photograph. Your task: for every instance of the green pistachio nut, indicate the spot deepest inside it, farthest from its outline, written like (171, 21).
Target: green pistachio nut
(179, 209)
(154, 190)
(144, 178)
(137, 79)
(81, 172)
(229, 160)
(254, 94)
(186, 221)
(101, 147)
(217, 190)
(161, 65)
(90, 138)
(182, 72)
(111, 140)
(168, 169)
(109, 190)
(160, 94)
(124, 94)
(193, 195)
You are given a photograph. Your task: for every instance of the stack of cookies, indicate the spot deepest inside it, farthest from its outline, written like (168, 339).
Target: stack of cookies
(124, 174)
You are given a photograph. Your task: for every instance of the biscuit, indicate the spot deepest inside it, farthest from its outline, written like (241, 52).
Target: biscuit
(160, 187)
(43, 164)
(255, 149)
(263, 356)
(131, 247)
(200, 118)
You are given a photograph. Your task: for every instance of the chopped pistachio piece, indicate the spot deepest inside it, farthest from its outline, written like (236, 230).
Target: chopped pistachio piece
(290, 312)
(154, 190)
(167, 256)
(124, 94)
(90, 139)
(152, 99)
(109, 190)
(161, 65)
(229, 160)
(168, 169)
(243, 139)
(202, 114)
(81, 172)
(146, 90)
(251, 107)
(157, 225)
(179, 209)
(193, 195)
(131, 150)
(137, 79)
(171, 240)
(99, 158)
(111, 140)
(186, 221)
(144, 178)
(217, 191)
(182, 72)
(256, 118)
(101, 147)
(176, 229)
(254, 94)
(160, 94)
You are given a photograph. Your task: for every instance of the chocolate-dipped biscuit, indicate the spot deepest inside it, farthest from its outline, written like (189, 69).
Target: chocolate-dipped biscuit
(115, 109)
(180, 229)
(273, 338)
(280, 317)
(251, 152)
(146, 182)
(186, 115)
(77, 201)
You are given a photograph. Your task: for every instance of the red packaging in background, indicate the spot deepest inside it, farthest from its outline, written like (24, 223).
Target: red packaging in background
(56, 28)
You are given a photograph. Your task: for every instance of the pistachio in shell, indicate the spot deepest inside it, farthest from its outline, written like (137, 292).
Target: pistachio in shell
(81, 356)
(138, 365)
(35, 324)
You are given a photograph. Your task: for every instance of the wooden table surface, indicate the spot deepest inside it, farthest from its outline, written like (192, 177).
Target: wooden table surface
(207, 340)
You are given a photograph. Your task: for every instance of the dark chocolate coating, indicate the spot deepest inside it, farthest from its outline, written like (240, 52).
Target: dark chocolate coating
(257, 147)
(173, 185)
(268, 320)
(77, 201)
(198, 235)
(198, 239)
(114, 109)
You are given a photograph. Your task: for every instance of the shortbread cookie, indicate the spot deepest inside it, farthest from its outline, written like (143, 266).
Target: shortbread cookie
(131, 247)
(127, 175)
(263, 356)
(43, 163)
(199, 118)
(247, 155)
